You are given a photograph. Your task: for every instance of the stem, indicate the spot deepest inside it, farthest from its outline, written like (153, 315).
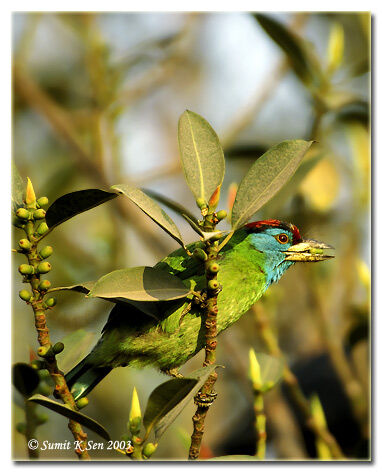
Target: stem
(292, 384)
(43, 337)
(260, 422)
(210, 312)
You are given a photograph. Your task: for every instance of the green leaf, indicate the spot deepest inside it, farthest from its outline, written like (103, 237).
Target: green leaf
(64, 410)
(84, 287)
(201, 155)
(271, 369)
(18, 188)
(169, 399)
(266, 177)
(141, 284)
(151, 208)
(77, 345)
(302, 59)
(72, 204)
(291, 187)
(25, 378)
(181, 210)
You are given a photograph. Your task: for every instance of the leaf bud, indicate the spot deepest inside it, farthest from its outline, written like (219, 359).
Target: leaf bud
(44, 285)
(200, 254)
(44, 267)
(135, 425)
(21, 428)
(30, 196)
(50, 302)
(22, 213)
(42, 228)
(26, 269)
(213, 267)
(25, 295)
(149, 450)
(39, 214)
(254, 370)
(220, 215)
(58, 347)
(46, 252)
(201, 203)
(82, 402)
(213, 284)
(24, 244)
(42, 202)
(135, 413)
(214, 200)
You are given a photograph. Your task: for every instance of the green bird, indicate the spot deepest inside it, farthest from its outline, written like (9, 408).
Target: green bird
(256, 256)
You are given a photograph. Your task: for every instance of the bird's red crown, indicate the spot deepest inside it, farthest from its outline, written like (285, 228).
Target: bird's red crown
(263, 224)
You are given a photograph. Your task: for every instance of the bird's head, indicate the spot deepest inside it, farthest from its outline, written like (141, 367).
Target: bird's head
(283, 245)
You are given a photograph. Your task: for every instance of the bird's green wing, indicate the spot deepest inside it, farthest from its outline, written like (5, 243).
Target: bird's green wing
(181, 265)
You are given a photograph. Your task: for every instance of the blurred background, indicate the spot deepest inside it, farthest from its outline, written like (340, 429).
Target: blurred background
(96, 102)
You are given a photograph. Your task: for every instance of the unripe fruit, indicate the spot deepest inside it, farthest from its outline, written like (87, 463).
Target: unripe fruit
(21, 428)
(201, 203)
(149, 450)
(42, 418)
(213, 284)
(37, 364)
(42, 351)
(44, 389)
(22, 213)
(39, 214)
(24, 244)
(58, 347)
(46, 252)
(82, 402)
(42, 229)
(220, 215)
(44, 285)
(42, 202)
(135, 425)
(213, 267)
(50, 302)
(44, 267)
(25, 295)
(200, 254)
(26, 269)
(43, 373)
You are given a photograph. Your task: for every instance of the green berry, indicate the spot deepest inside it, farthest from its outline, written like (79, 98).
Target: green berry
(25, 244)
(42, 229)
(44, 285)
(82, 402)
(213, 284)
(26, 269)
(44, 267)
(149, 450)
(213, 267)
(22, 213)
(58, 347)
(43, 373)
(25, 295)
(21, 428)
(39, 214)
(220, 215)
(44, 389)
(200, 254)
(201, 203)
(46, 252)
(42, 418)
(42, 202)
(37, 364)
(135, 425)
(50, 302)
(42, 351)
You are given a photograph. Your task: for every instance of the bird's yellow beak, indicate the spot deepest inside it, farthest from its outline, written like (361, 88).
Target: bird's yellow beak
(308, 250)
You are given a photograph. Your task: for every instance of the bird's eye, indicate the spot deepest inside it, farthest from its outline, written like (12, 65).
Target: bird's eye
(282, 238)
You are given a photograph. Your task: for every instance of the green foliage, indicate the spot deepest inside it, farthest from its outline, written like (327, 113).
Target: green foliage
(74, 203)
(151, 208)
(141, 284)
(77, 344)
(266, 177)
(25, 378)
(71, 414)
(201, 155)
(169, 399)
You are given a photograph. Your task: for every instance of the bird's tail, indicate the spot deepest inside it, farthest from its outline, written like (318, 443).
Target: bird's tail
(84, 377)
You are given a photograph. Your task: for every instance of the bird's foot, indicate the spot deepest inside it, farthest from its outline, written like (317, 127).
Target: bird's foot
(173, 373)
(200, 298)
(205, 400)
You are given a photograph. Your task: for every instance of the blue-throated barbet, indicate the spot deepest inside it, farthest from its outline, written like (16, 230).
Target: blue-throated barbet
(256, 256)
